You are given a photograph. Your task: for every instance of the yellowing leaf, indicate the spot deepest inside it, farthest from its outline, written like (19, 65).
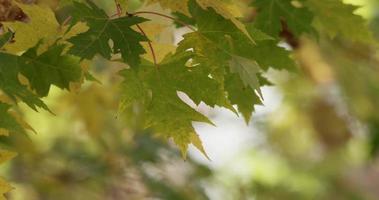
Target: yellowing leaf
(228, 11)
(78, 28)
(174, 5)
(224, 10)
(196, 141)
(42, 24)
(160, 50)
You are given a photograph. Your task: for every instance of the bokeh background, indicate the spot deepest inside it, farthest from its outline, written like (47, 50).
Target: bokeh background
(316, 137)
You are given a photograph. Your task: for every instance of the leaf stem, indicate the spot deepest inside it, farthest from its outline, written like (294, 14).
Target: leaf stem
(119, 13)
(66, 21)
(149, 43)
(166, 16)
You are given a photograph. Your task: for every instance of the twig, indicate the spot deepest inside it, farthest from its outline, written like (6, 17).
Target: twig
(166, 16)
(150, 45)
(66, 21)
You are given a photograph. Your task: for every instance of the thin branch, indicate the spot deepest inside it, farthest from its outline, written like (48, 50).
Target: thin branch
(118, 7)
(166, 16)
(150, 45)
(66, 21)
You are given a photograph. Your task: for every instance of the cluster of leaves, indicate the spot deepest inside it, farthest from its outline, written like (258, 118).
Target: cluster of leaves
(220, 62)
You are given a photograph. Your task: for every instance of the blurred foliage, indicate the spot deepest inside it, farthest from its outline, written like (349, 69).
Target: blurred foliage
(90, 155)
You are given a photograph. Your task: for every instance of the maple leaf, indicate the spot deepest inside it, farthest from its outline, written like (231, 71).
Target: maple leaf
(156, 89)
(216, 43)
(336, 18)
(206, 53)
(42, 71)
(215, 40)
(42, 24)
(268, 54)
(220, 7)
(242, 96)
(10, 84)
(247, 71)
(102, 29)
(49, 68)
(270, 13)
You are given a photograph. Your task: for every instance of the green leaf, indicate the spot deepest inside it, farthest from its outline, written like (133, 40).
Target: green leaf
(102, 30)
(247, 71)
(268, 54)
(10, 84)
(212, 59)
(215, 41)
(49, 68)
(42, 71)
(215, 46)
(5, 38)
(272, 12)
(7, 122)
(244, 97)
(156, 90)
(256, 33)
(336, 18)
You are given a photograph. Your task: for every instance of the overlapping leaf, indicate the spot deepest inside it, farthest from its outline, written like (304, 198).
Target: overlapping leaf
(336, 18)
(242, 96)
(247, 70)
(49, 68)
(42, 71)
(218, 43)
(222, 8)
(11, 85)
(8, 122)
(272, 13)
(102, 30)
(156, 88)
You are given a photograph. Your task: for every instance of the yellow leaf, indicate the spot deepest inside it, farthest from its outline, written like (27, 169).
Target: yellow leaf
(151, 29)
(78, 28)
(161, 50)
(174, 5)
(42, 24)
